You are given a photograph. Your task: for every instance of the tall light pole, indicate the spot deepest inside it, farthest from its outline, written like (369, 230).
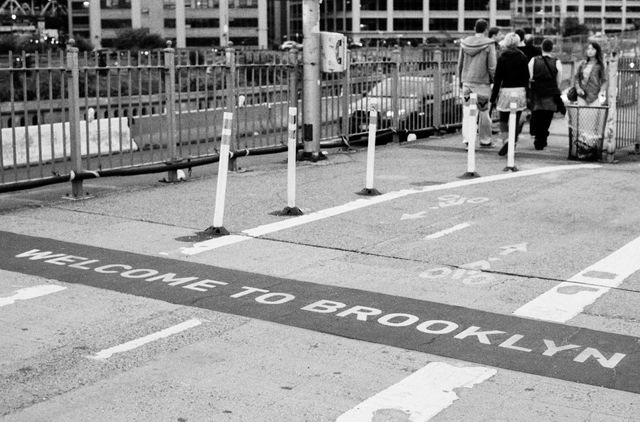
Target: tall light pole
(311, 101)
(224, 23)
(69, 19)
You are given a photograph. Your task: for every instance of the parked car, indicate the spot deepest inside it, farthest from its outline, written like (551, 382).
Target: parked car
(415, 96)
(287, 45)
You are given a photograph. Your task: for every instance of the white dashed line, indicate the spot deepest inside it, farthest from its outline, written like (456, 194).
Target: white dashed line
(569, 298)
(130, 345)
(420, 396)
(30, 293)
(450, 230)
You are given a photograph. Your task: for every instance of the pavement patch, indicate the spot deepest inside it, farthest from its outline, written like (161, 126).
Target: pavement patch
(503, 341)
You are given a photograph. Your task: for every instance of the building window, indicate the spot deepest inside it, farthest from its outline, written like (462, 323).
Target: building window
(202, 23)
(243, 22)
(244, 40)
(115, 23)
(242, 4)
(470, 24)
(443, 5)
(476, 5)
(373, 24)
(407, 24)
(443, 24)
(503, 5)
(115, 4)
(407, 5)
(370, 5)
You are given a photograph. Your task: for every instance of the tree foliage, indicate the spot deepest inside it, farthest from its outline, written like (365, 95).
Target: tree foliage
(572, 26)
(138, 39)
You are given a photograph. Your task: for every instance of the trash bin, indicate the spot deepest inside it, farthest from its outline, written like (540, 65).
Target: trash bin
(586, 131)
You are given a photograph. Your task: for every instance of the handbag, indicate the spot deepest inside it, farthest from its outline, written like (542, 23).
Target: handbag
(572, 94)
(557, 99)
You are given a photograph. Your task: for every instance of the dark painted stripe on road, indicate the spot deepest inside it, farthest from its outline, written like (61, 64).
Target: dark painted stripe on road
(503, 341)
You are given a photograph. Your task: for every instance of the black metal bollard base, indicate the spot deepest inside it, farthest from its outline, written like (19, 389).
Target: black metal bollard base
(288, 211)
(216, 231)
(369, 192)
(469, 175)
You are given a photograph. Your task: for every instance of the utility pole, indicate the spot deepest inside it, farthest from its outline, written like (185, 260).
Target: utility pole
(181, 38)
(224, 23)
(69, 19)
(311, 101)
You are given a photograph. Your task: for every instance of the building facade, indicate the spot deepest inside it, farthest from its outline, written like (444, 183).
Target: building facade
(597, 15)
(191, 23)
(411, 19)
(267, 23)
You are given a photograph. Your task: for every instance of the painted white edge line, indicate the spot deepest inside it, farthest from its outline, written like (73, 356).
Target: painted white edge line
(130, 345)
(569, 298)
(450, 230)
(30, 293)
(420, 396)
(366, 202)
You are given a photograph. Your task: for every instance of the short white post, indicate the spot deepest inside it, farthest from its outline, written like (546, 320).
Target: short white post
(369, 190)
(511, 147)
(292, 144)
(221, 188)
(470, 134)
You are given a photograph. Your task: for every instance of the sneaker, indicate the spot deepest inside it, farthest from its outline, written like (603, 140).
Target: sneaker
(503, 150)
(485, 144)
(464, 141)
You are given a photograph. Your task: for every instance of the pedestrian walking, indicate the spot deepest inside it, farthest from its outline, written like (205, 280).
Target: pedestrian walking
(546, 74)
(528, 48)
(510, 85)
(476, 69)
(590, 80)
(497, 36)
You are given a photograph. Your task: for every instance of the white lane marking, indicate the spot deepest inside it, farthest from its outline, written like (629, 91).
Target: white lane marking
(569, 298)
(130, 345)
(218, 242)
(30, 293)
(450, 230)
(420, 396)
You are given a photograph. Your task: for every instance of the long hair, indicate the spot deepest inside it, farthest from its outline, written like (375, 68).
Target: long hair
(598, 49)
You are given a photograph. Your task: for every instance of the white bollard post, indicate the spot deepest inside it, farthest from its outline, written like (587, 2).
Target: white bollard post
(221, 188)
(369, 190)
(292, 144)
(511, 147)
(470, 133)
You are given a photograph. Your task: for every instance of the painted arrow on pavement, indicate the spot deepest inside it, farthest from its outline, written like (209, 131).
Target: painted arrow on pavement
(421, 214)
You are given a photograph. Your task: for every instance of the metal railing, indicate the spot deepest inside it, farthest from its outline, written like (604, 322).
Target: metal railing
(75, 116)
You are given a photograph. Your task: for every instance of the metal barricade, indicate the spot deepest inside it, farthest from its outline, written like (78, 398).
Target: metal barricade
(627, 108)
(150, 110)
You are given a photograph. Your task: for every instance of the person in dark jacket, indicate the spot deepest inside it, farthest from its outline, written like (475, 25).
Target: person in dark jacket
(546, 74)
(510, 86)
(528, 48)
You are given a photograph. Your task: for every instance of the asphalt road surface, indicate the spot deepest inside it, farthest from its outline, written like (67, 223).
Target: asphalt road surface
(514, 296)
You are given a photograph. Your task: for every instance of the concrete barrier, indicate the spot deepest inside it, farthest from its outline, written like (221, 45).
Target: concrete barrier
(48, 142)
